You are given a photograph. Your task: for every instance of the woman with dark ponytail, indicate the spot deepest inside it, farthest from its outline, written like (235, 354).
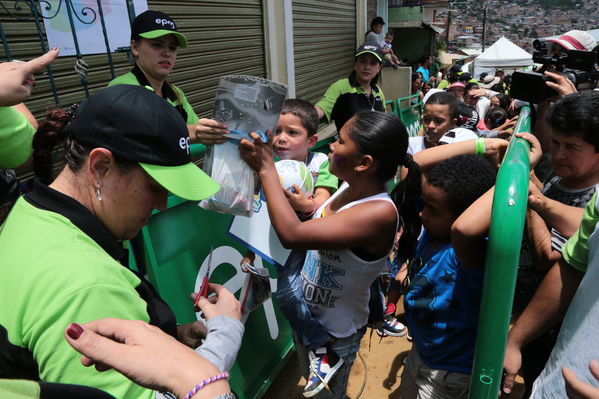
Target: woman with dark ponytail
(348, 238)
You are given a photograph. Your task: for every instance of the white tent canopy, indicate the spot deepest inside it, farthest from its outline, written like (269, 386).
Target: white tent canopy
(503, 54)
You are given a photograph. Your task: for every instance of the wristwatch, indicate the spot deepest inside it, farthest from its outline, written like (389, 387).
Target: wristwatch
(229, 395)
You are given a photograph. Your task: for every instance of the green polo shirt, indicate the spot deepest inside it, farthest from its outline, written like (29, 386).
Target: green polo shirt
(342, 100)
(130, 79)
(16, 135)
(576, 250)
(54, 274)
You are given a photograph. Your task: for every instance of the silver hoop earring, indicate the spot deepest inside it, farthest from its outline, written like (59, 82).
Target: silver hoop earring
(98, 193)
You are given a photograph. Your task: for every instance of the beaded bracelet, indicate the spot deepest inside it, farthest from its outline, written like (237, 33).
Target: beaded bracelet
(202, 384)
(480, 146)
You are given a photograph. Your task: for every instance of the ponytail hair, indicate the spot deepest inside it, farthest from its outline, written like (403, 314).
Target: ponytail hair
(50, 134)
(384, 137)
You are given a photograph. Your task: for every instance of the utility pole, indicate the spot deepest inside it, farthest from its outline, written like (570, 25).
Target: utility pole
(484, 23)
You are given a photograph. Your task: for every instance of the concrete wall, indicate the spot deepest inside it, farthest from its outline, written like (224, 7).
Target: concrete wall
(396, 83)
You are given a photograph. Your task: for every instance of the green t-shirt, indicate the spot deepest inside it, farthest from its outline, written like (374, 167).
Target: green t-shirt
(16, 135)
(342, 100)
(576, 250)
(130, 79)
(54, 274)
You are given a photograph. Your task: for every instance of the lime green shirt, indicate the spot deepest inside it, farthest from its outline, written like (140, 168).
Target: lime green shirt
(54, 274)
(130, 79)
(576, 250)
(16, 135)
(342, 88)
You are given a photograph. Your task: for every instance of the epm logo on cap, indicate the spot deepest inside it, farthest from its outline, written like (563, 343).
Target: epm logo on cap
(184, 143)
(370, 48)
(164, 21)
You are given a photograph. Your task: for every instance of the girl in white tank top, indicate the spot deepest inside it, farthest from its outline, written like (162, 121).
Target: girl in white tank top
(351, 234)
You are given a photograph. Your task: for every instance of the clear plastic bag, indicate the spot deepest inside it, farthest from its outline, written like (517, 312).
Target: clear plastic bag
(245, 104)
(236, 196)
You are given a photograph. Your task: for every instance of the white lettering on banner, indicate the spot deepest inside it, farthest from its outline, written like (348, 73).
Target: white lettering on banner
(413, 129)
(163, 22)
(226, 256)
(184, 143)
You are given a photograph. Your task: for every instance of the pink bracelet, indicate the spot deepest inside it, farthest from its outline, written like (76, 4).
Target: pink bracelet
(202, 384)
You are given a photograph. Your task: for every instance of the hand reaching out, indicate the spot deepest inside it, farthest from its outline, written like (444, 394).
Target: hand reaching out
(144, 354)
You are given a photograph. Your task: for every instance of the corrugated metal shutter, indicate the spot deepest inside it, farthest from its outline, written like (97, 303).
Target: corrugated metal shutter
(324, 34)
(226, 37)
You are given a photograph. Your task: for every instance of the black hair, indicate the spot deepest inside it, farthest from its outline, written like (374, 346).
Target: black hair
(496, 117)
(444, 98)
(390, 33)
(415, 76)
(463, 178)
(497, 87)
(353, 80)
(376, 21)
(51, 135)
(423, 59)
(384, 137)
(504, 100)
(471, 86)
(305, 111)
(482, 76)
(577, 114)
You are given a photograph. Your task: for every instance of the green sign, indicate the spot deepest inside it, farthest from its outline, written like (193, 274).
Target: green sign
(177, 243)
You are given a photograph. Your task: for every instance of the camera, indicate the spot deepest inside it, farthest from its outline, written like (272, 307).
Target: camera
(578, 66)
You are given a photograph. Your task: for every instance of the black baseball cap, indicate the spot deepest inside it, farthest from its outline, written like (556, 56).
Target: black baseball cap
(467, 117)
(370, 48)
(151, 24)
(137, 125)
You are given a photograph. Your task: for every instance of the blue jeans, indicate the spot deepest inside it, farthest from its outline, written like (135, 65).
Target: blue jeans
(310, 333)
(346, 348)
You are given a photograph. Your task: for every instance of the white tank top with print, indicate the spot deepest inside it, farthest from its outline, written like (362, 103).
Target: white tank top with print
(336, 283)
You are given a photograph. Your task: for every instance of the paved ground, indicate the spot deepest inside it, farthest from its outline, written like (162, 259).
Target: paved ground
(383, 366)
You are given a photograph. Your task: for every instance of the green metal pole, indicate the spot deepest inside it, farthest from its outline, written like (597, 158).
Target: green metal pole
(501, 266)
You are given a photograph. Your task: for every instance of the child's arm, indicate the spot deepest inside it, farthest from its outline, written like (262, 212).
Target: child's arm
(427, 159)
(468, 232)
(306, 205)
(363, 225)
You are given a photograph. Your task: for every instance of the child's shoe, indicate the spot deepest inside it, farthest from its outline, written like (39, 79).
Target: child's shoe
(323, 366)
(391, 327)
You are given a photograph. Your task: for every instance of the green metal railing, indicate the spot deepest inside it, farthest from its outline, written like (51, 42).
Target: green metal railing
(501, 266)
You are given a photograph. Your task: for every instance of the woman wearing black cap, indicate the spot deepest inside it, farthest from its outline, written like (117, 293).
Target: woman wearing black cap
(358, 92)
(154, 43)
(61, 255)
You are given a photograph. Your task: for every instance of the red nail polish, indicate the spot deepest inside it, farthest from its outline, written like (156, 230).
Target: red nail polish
(74, 331)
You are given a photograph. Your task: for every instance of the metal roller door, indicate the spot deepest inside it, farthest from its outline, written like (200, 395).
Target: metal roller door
(324, 35)
(225, 37)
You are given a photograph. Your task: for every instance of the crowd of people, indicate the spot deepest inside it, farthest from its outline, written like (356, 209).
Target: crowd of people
(63, 264)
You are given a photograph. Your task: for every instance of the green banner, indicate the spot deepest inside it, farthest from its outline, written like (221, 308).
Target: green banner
(177, 243)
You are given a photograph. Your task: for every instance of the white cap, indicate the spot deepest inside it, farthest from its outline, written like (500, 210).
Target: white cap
(456, 135)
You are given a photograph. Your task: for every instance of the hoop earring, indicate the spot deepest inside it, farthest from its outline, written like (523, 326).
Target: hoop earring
(98, 193)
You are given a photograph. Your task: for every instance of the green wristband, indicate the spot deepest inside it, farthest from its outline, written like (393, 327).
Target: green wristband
(480, 146)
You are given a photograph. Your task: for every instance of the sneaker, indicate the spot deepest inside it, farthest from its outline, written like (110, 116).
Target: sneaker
(392, 327)
(323, 366)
